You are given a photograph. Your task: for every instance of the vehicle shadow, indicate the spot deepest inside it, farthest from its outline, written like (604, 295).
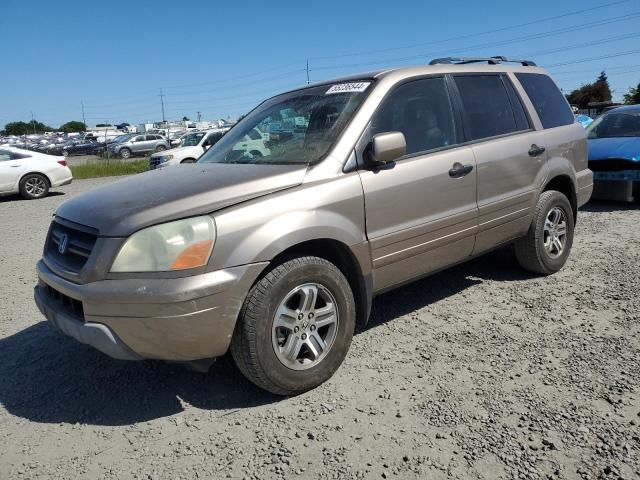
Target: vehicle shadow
(50, 378)
(18, 198)
(606, 206)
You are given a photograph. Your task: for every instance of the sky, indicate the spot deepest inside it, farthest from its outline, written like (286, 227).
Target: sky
(222, 58)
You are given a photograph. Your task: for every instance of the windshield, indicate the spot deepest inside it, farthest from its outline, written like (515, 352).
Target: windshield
(123, 138)
(295, 128)
(192, 139)
(616, 124)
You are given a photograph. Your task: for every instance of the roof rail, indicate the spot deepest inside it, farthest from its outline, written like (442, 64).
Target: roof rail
(490, 60)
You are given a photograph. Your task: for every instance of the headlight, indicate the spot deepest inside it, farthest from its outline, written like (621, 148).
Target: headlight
(171, 246)
(166, 158)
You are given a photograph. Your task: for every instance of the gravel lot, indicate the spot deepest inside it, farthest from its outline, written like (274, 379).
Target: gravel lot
(482, 371)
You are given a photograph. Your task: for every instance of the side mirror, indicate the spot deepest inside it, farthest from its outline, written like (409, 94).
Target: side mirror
(385, 148)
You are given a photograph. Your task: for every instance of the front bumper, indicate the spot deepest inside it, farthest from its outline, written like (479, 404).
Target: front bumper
(178, 319)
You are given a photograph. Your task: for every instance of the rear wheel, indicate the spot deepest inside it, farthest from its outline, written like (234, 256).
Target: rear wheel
(295, 326)
(34, 186)
(125, 153)
(546, 246)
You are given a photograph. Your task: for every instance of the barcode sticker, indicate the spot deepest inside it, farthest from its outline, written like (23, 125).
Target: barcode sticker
(348, 88)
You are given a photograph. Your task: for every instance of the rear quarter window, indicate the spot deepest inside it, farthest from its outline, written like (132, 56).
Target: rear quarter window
(547, 99)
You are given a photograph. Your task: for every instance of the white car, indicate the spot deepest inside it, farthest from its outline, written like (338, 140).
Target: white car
(31, 174)
(192, 146)
(253, 144)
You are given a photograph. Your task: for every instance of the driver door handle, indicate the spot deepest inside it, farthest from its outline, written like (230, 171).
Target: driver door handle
(459, 170)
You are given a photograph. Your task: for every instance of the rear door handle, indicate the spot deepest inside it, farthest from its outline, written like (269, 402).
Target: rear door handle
(15, 166)
(536, 151)
(459, 170)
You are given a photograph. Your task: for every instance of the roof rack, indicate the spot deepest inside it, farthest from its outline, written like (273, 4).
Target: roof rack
(490, 60)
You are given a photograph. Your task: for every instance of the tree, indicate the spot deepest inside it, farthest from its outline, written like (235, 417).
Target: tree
(185, 119)
(632, 97)
(598, 91)
(73, 127)
(26, 128)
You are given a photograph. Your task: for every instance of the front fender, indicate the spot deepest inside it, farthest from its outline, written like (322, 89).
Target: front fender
(261, 229)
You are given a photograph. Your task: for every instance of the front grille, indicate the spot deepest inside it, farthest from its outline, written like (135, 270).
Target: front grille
(69, 305)
(69, 247)
(154, 162)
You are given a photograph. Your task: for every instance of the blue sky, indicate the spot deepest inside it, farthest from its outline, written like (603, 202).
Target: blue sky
(221, 58)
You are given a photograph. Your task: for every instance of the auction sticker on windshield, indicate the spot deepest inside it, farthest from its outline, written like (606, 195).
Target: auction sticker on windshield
(348, 87)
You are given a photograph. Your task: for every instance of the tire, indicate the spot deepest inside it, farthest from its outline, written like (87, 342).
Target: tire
(537, 251)
(159, 148)
(188, 160)
(33, 186)
(125, 153)
(256, 338)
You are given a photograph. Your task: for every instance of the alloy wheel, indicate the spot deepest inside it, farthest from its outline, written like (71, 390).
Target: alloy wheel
(35, 186)
(555, 232)
(304, 326)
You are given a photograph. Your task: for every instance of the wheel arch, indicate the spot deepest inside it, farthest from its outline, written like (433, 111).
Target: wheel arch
(348, 261)
(563, 184)
(37, 172)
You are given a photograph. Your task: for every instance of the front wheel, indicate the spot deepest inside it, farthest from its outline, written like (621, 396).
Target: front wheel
(546, 246)
(34, 186)
(295, 326)
(125, 153)
(159, 148)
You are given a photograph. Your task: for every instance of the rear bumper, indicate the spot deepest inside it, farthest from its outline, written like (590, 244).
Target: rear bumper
(179, 319)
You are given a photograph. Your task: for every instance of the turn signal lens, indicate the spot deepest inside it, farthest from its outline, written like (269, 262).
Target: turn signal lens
(193, 256)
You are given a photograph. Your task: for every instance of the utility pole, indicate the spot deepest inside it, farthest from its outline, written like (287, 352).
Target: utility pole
(308, 72)
(199, 115)
(162, 104)
(83, 120)
(33, 122)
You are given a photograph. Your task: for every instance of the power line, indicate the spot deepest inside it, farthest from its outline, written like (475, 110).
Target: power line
(581, 45)
(471, 35)
(590, 59)
(510, 41)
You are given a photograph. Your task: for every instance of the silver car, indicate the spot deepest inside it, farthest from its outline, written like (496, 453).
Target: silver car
(138, 143)
(363, 184)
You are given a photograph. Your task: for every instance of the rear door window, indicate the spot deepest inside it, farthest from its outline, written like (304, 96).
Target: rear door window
(487, 108)
(422, 111)
(547, 99)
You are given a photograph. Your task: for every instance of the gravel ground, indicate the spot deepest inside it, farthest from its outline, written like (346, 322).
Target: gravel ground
(482, 371)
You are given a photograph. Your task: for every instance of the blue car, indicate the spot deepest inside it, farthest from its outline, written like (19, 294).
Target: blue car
(614, 154)
(584, 120)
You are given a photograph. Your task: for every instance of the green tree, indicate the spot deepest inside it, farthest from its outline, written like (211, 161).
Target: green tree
(185, 119)
(598, 91)
(632, 97)
(26, 128)
(73, 127)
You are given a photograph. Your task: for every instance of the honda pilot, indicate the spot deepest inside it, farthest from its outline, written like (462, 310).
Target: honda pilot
(276, 254)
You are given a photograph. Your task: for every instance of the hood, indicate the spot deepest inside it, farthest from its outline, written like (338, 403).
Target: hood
(179, 150)
(157, 196)
(627, 148)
